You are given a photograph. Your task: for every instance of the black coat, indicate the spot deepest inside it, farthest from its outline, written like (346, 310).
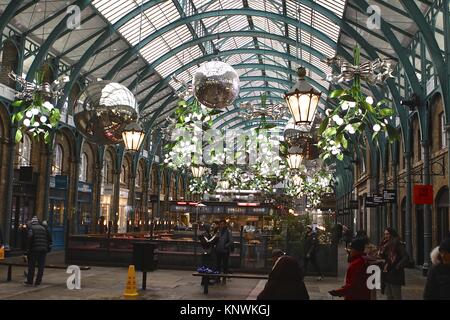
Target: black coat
(310, 244)
(438, 283)
(39, 239)
(285, 282)
(394, 271)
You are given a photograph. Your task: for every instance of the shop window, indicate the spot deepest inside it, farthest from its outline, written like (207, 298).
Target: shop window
(442, 136)
(83, 167)
(57, 160)
(24, 152)
(107, 169)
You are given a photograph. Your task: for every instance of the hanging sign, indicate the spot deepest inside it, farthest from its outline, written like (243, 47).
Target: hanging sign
(369, 202)
(389, 196)
(423, 194)
(378, 199)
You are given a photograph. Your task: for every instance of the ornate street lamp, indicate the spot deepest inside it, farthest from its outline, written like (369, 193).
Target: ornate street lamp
(133, 135)
(302, 99)
(198, 171)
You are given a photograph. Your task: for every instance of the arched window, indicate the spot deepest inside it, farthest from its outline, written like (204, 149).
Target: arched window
(24, 152)
(57, 160)
(83, 167)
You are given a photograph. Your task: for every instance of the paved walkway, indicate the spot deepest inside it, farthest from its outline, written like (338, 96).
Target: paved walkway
(109, 283)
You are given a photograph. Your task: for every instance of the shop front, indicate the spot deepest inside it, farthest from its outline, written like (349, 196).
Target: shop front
(84, 207)
(57, 211)
(23, 205)
(106, 217)
(124, 211)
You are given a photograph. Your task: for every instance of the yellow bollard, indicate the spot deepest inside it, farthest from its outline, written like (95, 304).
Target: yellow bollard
(130, 290)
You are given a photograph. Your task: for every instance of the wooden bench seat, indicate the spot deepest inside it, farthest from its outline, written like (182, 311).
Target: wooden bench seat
(207, 276)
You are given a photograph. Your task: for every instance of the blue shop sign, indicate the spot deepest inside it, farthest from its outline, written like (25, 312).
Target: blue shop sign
(84, 187)
(59, 182)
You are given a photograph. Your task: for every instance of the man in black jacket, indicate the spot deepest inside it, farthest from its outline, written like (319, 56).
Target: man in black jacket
(39, 243)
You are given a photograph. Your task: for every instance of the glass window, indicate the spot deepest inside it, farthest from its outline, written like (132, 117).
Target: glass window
(83, 167)
(122, 175)
(442, 136)
(24, 152)
(57, 160)
(419, 147)
(138, 178)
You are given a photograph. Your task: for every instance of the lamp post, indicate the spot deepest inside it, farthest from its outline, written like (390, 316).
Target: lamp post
(302, 99)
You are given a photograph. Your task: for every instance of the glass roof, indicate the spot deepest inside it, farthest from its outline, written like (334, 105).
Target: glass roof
(152, 20)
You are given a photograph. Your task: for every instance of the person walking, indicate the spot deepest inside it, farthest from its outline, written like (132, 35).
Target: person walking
(285, 280)
(310, 249)
(39, 244)
(395, 259)
(223, 247)
(438, 280)
(355, 287)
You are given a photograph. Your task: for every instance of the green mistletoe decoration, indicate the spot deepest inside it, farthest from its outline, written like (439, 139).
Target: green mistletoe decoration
(36, 115)
(356, 113)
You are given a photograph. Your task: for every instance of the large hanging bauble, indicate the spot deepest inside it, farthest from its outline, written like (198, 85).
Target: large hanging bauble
(103, 110)
(216, 84)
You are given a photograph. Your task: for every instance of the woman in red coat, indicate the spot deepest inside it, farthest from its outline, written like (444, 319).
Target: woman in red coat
(355, 287)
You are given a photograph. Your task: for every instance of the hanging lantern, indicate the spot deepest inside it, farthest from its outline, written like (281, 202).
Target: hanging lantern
(133, 135)
(295, 159)
(224, 184)
(297, 180)
(302, 100)
(216, 84)
(198, 171)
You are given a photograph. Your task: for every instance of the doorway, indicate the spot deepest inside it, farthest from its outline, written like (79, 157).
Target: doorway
(442, 214)
(56, 223)
(21, 214)
(419, 235)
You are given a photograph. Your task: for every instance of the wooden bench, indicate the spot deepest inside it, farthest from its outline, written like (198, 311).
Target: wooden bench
(17, 264)
(207, 276)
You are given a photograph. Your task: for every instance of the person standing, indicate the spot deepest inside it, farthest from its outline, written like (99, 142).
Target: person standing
(355, 287)
(285, 280)
(395, 259)
(310, 248)
(223, 247)
(39, 243)
(438, 280)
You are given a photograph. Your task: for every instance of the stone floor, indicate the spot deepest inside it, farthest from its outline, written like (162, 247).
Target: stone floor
(109, 283)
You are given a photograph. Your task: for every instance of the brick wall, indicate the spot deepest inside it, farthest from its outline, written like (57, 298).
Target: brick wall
(9, 63)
